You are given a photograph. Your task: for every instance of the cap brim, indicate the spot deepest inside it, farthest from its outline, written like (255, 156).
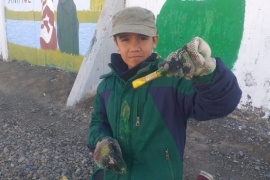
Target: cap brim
(138, 29)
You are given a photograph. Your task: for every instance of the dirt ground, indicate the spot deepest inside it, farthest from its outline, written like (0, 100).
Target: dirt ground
(236, 147)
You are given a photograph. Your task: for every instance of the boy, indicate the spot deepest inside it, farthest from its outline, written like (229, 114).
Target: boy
(140, 133)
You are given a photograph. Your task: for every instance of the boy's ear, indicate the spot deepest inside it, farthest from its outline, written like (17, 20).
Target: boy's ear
(155, 39)
(115, 41)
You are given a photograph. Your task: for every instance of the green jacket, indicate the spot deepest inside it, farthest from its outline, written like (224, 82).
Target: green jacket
(150, 122)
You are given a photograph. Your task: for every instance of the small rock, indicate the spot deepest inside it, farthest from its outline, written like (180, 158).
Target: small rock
(5, 150)
(21, 159)
(267, 175)
(5, 126)
(241, 154)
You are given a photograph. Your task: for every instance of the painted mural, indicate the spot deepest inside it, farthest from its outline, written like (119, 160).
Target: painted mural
(58, 32)
(237, 31)
(219, 22)
(68, 27)
(47, 30)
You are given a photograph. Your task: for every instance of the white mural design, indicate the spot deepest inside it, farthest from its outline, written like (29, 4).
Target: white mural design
(252, 66)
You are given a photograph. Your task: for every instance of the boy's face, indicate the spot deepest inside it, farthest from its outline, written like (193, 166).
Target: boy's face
(135, 48)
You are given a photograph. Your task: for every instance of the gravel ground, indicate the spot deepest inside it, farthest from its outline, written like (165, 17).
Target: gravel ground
(40, 138)
(42, 148)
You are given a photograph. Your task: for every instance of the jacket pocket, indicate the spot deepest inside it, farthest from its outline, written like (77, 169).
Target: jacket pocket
(169, 162)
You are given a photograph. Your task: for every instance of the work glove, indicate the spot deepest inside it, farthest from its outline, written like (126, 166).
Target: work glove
(108, 155)
(193, 59)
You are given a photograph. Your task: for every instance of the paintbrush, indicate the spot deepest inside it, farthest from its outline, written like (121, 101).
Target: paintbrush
(149, 77)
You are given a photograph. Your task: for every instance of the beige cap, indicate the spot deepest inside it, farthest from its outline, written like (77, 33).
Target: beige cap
(134, 20)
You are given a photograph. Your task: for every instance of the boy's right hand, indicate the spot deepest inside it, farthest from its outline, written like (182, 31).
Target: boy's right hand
(108, 155)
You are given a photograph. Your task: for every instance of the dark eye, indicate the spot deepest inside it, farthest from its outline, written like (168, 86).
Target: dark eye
(124, 39)
(144, 37)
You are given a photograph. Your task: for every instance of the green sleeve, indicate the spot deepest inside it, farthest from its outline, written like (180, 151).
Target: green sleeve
(98, 126)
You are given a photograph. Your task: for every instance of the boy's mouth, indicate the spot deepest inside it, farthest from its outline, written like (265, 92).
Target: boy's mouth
(135, 57)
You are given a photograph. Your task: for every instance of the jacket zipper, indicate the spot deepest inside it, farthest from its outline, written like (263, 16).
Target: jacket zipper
(138, 123)
(138, 119)
(168, 158)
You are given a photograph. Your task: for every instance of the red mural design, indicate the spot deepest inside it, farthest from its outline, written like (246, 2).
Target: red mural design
(48, 32)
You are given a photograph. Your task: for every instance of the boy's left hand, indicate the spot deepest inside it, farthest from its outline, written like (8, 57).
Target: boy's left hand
(108, 155)
(194, 59)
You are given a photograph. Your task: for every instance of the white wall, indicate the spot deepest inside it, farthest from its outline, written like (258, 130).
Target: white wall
(96, 61)
(252, 66)
(154, 5)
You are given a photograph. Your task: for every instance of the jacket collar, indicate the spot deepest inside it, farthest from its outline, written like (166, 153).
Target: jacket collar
(121, 69)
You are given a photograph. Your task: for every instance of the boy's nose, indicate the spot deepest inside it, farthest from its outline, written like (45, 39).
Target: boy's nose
(135, 46)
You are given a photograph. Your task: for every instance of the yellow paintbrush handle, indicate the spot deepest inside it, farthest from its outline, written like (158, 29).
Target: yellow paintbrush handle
(141, 81)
